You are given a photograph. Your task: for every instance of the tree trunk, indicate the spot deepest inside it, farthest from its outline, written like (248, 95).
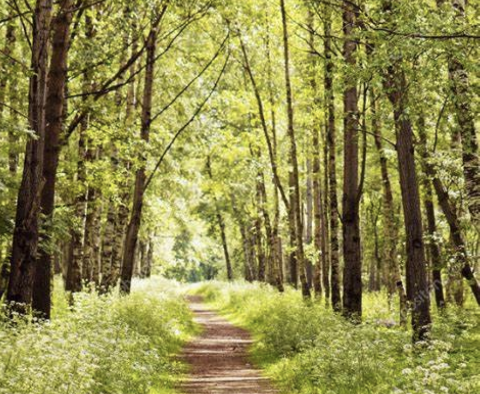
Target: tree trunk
(26, 233)
(107, 249)
(223, 235)
(272, 250)
(54, 125)
(435, 254)
(77, 269)
(319, 230)
(91, 252)
(332, 167)
(394, 275)
(297, 215)
(147, 273)
(140, 176)
(455, 231)
(8, 86)
(460, 92)
(417, 287)
(352, 274)
(309, 218)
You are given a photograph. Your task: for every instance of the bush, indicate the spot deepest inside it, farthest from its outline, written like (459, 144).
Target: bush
(309, 350)
(105, 345)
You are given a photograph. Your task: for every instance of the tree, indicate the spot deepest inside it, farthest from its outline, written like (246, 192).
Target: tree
(26, 233)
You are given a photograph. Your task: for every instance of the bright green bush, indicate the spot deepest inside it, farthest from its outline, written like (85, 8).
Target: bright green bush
(309, 350)
(105, 345)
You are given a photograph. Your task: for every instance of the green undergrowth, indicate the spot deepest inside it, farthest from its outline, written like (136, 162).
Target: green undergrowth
(105, 345)
(307, 349)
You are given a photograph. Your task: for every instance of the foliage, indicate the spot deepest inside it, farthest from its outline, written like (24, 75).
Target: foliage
(308, 349)
(107, 344)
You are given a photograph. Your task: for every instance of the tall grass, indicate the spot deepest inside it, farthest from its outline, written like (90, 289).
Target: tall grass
(107, 345)
(308, 349)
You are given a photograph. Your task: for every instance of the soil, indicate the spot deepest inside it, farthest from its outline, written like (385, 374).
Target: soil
(218, 358)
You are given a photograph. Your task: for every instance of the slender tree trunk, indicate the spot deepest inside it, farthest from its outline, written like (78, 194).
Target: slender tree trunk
(140, 176)
(455, 231)
(332, 167)
(272, 250)
(417, 287)
(309, 217)
(460, 91)
(149, 261)
(8, 87)
(223, 235)
(435, 254)
(91, 253)
(319, 230)
(394, 279)
(278, 268)
(54, 124)
(26, 233)
(107, 249)
(300, 257)
(352, 274)
(77, 270)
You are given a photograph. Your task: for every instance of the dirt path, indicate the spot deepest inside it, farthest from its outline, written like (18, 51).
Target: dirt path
(218, 358)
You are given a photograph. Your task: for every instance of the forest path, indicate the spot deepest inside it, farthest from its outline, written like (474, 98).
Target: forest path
(218, 358)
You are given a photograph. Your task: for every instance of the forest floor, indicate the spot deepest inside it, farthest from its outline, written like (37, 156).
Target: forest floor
(218, 358)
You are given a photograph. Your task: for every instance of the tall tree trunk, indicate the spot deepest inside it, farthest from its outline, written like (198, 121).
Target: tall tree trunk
(431, 221)
(332, 167)
(226, 253)
(460, 91)
(394, 279)
(278, 268)
(91, 252)
(352, 274)
(147, 273)
(319, 230)
(77, 270)
(8, 87)
(107, 249)
(54, 125)
(309, 216)
(223, 235)
(297, 215)
(272, 250)
(140, 176)
(26, 233)
(455, 231)
(417, 287)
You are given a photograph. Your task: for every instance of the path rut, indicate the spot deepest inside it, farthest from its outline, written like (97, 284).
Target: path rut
(218, 358)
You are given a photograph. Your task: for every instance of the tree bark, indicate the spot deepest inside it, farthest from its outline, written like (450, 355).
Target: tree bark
(297, 215)
(332, 166)
(394, 275)
(352, 274)
(26, 233)
(455, 231)
(417, 287)
(223, 235)
(140, 176)
(318, 216)
(435, 254)
(55, 103)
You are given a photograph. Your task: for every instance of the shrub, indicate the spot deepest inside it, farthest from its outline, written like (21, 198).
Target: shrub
(308, 349)
(105, 345)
